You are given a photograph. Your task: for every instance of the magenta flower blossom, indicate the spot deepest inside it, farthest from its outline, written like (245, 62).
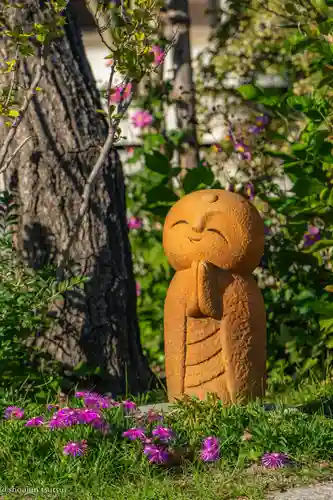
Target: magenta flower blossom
(164, 434)
(135, 433)
(210, 449)
(158, 54)
(100, 425)
(249, 189)
(152, 416)
(275, 460)
(34, 422)
(120, 93)
(260, 123)
(88, 415)
(142, 119)
(13, 413)
(243, 150)
(76, 448)
(97, 401)
(58, 423)
(156, 454)
(134, 223)
(138, 289)
(128, 405)
(311, 236)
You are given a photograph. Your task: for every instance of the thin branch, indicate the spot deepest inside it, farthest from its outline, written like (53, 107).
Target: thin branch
(93, 6)
(28, 98)
(64, 255)
(12, 156)
(14, 77)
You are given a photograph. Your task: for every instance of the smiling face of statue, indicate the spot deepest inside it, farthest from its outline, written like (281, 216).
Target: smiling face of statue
(215, 226)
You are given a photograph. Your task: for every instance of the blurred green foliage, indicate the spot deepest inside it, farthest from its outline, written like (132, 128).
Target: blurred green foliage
(294, 41)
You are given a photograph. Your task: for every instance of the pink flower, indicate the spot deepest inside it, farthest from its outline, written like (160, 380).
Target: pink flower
(163, 433)
(138, 289)
(75, 448)
(156, 454)
(134, 223)
(142, 119)
(158, 54)
(34, 422)
(120, 93)
(135, 433)
(129, 405)
(275, 460)
(210, 450)
(13, 412)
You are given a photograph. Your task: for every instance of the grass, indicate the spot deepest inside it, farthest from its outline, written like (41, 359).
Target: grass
(116, 468)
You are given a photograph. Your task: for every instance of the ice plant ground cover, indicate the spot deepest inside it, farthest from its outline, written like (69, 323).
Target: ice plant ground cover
(95, 447)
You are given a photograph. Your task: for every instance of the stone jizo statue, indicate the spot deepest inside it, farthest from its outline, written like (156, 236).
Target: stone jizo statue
(214, 316)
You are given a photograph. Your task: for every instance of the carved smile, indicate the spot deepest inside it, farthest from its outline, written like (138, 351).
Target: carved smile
(194, 239)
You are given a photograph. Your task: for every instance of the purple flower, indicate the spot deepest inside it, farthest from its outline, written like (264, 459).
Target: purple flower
(311, 236)
(34, 422)
(134, 223)
(249, 190)
(163, 434)
(88, 415)
(243, 150)
(93, 399)
(135, 433)
(267, 230)
(260, 123)
(96, 401)
(57, 423)
(101, 425)
(142, 119)
(274, 460)
(230, 187)
(156, 454)
(52, 407)
(13, 412)
(128, 405)
(75, 448)
(210, 449)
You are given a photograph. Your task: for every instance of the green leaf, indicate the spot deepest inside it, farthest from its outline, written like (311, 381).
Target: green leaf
(320, 6)
(157, 162)
(248, 91)
(329, 342)
(300, 103)
(13, 112)
(323, 308)
(200, 176)
(326, 324)
(161, 193)
(306, 186)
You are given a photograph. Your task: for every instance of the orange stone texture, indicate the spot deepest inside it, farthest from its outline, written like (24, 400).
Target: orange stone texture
(214, 314)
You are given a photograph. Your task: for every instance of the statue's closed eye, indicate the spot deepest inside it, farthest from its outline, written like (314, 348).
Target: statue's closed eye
(179, 222)
(213, 230)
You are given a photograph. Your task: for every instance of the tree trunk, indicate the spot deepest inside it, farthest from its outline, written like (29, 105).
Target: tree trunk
(98, 325)
(178, 20)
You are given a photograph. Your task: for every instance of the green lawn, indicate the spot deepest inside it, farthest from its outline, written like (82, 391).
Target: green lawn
(115, 468)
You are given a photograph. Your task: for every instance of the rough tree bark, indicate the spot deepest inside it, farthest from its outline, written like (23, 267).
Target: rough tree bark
(99, 325)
